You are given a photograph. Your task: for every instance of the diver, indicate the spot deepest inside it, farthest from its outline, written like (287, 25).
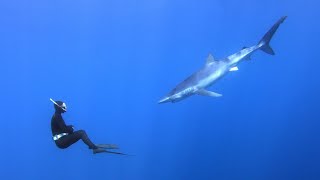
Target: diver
(64, 135)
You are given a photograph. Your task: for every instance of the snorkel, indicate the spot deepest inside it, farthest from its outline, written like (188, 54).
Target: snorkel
(63, 106)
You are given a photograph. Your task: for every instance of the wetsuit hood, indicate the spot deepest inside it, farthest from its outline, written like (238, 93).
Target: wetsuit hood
(59, 106)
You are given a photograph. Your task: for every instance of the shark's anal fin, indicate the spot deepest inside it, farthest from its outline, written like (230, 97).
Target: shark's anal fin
(235, 68)
(204, 92)
(248, 57)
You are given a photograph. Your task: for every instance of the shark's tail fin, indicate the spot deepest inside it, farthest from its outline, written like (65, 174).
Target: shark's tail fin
(264, 42)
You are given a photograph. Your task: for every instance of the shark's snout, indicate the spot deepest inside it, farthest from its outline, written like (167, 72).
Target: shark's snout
(164, 100)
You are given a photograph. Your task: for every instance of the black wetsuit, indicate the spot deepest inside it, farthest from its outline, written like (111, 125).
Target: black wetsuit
(58, 126)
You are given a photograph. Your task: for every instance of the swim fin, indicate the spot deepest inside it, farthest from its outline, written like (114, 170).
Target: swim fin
(107, 146)
(101, 150)
(112, 152)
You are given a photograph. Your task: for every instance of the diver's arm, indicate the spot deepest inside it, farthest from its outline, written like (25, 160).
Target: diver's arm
(70, 128)
(63, 126)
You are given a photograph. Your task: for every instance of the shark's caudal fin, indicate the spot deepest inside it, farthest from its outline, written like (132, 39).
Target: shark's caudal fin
(264, 42)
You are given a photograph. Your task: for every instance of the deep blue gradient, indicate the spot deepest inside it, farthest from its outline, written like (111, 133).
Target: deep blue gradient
(111, 61)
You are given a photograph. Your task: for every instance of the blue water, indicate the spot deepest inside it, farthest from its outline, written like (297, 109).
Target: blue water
(111, 61)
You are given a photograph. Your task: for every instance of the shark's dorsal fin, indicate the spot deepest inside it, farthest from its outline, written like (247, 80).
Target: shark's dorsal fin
(210, 59)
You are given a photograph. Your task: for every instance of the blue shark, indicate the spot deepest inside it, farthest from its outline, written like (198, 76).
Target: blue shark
(213, 69)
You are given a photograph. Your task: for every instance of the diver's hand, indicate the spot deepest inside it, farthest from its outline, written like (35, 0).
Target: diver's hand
(70, 128)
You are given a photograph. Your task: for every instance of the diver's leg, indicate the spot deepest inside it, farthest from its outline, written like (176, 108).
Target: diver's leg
(70, 139)
(85, 139)
(67, 140)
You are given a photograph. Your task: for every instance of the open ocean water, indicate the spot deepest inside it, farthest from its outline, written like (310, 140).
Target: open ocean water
(111, 61)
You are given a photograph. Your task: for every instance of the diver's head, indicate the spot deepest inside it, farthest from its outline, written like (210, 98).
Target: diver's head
(59, 106)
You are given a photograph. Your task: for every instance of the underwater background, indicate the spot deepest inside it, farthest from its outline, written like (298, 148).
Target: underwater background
(111, 61)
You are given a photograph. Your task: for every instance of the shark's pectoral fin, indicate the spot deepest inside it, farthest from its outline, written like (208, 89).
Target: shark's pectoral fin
(235, 68)
(204, 92)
